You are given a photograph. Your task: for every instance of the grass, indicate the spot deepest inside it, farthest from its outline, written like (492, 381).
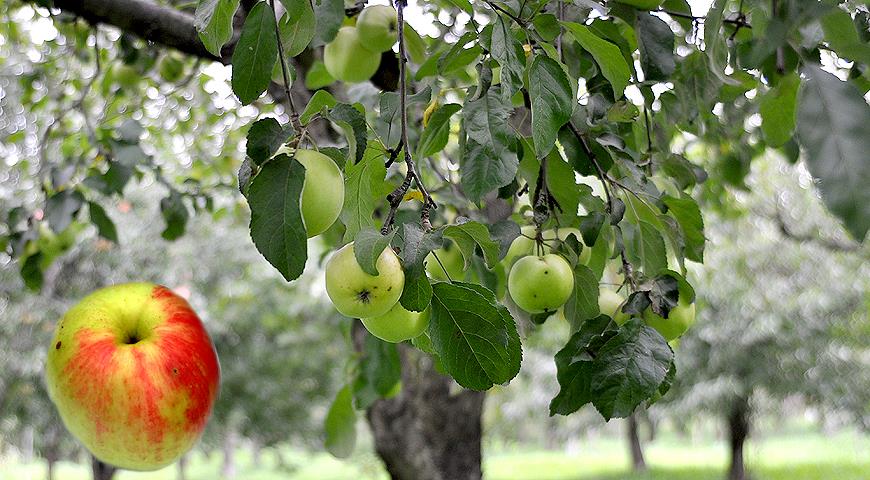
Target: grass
(805, 456)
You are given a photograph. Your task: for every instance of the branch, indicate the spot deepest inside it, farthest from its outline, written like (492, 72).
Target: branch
(739, 22)
(816, 238)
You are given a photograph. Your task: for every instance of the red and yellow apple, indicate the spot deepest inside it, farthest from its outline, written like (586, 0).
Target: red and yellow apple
(133, 374)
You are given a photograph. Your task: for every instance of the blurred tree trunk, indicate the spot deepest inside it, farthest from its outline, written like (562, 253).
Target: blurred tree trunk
(102, 471)
(256, 454)
(738, 430)
(638, 464)
(182, 465)
(228, 467)
(49, 463)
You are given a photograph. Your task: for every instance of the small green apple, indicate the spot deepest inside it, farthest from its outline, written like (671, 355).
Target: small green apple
(680, 318)
(541, 284)
(524, 245)
(357, 294)
(610, 303)
(452, 260)
(642, 4)
(398, 324)
(378, 27)
(346, 60)
(133, 374)
(322, 191)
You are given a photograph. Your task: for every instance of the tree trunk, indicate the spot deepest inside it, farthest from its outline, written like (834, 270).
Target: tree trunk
(102, 471)
(228, 468)
(49, 473)
(738, 430)
(638, 464)
(182, 465)
(428, 432)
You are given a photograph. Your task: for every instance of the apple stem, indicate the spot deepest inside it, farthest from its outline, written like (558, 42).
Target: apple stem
(294, 115)
(413, 176)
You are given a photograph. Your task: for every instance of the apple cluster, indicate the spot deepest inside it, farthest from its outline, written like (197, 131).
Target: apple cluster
(354, 55)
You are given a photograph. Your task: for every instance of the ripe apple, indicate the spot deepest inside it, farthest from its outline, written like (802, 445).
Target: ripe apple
(610, 303)
(541, 284)
(357, 294)
(347, 60)
(642, 4)
(523, 245)
(398, 324)
(133, 374)
(680, 318)
(378, 27)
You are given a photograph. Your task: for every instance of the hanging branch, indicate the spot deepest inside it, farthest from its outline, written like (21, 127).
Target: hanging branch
(413, 176)
(294, 115)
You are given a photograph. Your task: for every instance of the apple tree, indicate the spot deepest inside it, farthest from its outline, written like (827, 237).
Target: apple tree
(478, 119)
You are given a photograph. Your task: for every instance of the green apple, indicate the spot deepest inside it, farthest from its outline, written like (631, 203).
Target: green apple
(378, 27)
(539, 284)
(322, 191)
(133, 374)
(452, 260)
(610, 304)
(171, 68)
(398, 324)
(346, 60)
(680, 318)
(357, 294)
(525, 245)
(642, 4)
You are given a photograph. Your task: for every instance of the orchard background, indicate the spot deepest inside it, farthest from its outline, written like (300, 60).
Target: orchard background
(706, 153)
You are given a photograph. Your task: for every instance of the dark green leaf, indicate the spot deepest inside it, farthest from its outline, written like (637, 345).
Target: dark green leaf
(832, 128)
(507, 51)
(62, 207)
(417, 294)
(276, 218)
(329, 15)
(575, 363)
(645, 246)
(340, 424)
(842, 36)
(470, 235)
(353, 123)
(459, 57)
(552, 102)
(379, 371)
(368, 246)
(265, 137)
(213, 20)
(778, 111)
(606, 55)
(435, 135)
(487, 162)
(105, 226)
(583, 302)
(656, 43)
(363, 182)
(255, 54)
(687, 213)
(547, 26)
(296, 26)
(175, 215)
(31, 272)
(561, 183)
(504, 233)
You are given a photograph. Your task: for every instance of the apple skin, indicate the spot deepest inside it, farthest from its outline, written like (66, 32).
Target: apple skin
(357, 294)
(452, 260)
(346, 60)
(642, 4)
(378, 28)
(523, 246)
(322, 191)
(680, 318)
(398, 324)
(133, 374)
(541, 284)
(609, 303)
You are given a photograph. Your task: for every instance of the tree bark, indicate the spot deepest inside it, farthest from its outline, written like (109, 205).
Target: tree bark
(102, 471)
(638, 464)
(738, 431)
(428, 431)
(49, 464)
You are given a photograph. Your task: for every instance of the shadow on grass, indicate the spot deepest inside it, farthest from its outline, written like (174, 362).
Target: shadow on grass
(823, 471)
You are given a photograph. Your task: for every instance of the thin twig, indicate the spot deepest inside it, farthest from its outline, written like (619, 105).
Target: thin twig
(294, 115)
(510, 15)
(739, 22)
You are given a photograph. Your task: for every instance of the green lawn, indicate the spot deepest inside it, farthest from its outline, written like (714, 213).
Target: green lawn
(844, 456)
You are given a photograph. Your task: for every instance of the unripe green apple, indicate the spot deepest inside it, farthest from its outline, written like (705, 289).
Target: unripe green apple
(642, 4)
(610, 303)
(133, 374)
(523, 245)
(346, 60)
(357, 294)
(398, 324)
(680, 318)
(322, 191)
(378, 27)
(452, 260)
(541, 284)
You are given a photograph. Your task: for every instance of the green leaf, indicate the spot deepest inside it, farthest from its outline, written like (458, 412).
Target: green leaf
(265, 137)
(414, 44)
(368, 246)
(380, 369)
(329, 15)
(629, 369)
(255, 54)
(688, 215)
(62, 208)
(363, 182)
(547, 26)
(832, 128)
(389, 121)
(417, 294)
(606, 55)
(487, 162)
(508, 52)
(31, 272)
(416, 245)
(317, 76)
(842, 36)
(340, 425)
(470, 235)
(353, 123)
(778, 111)
(475, 336)
(321, 100)
(213, 20)
(459, 57)
(645, 246)
(296, 26)
(575, 365)
(714, 41)
(437, 132)
(276, 218)
(583, 302)
(552, 102)
(656, 43)
(175, 215)
(561, 183)
(105, 225)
